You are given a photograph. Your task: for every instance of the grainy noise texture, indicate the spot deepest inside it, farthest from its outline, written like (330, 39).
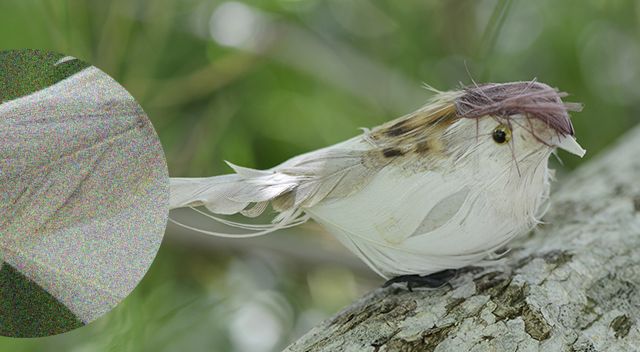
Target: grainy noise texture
(85, 194)
(572, 285)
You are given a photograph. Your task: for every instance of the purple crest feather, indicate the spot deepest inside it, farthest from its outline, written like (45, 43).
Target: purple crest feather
(531, 99)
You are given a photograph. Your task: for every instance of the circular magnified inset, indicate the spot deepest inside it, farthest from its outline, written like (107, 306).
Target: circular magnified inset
(84, 193)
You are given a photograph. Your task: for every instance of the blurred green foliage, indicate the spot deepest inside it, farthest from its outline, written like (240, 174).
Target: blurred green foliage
(258, 81)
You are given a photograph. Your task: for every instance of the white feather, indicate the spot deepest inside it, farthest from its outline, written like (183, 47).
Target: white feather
(307, 179)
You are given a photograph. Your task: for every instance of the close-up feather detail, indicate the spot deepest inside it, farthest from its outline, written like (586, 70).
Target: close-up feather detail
(442, 187)
(84, 199)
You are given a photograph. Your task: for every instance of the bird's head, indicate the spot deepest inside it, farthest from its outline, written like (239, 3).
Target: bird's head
(527, 115)
(498, 125)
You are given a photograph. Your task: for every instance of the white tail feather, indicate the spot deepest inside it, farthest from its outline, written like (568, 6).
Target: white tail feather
(290, 188)
(293, 218)
(231, 194)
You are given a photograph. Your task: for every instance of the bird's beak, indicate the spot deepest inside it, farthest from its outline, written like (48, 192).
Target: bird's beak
(570, 144)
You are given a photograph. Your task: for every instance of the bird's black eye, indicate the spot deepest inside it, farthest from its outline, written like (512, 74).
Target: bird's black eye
(501, 134)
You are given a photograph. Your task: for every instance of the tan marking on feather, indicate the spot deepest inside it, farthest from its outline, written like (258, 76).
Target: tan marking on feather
(392, 152)
(435, 144)
(417, 133)
(283, 202)
(416, 123)
(422, 148)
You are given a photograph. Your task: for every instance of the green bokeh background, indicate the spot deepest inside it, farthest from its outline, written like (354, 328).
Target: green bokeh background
(256, 82)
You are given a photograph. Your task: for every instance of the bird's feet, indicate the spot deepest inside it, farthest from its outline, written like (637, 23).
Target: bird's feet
(434, 280)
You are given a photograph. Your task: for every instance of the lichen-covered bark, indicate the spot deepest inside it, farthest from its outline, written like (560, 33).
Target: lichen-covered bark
(572, 285)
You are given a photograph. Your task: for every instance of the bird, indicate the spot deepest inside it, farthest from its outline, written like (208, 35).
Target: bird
(420, 196)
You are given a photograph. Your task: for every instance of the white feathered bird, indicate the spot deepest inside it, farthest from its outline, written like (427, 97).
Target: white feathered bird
(440, 188)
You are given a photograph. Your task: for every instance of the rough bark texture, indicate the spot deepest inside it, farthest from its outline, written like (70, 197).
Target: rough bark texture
(572, 285)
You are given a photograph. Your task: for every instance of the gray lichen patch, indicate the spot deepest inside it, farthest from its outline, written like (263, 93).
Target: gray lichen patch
(428, 341)
(557, 257)
(535, 324)
(509, 302)
(510, 299)
(432, 338)
(406, 346)
(621, 326)
(453, 304)
(391, 308)
(582, 344)
(383, 340)
(554, 257)
(613, 292)
(491, 283)
(587, 315)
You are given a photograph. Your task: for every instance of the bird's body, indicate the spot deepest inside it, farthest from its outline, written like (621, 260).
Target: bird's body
(437, 189)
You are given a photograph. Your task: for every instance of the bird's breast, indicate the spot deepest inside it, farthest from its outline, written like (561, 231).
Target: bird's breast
(417, 223)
